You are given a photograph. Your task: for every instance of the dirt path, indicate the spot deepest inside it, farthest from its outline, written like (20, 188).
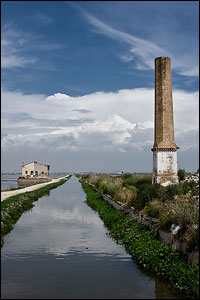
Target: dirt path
(5, 195)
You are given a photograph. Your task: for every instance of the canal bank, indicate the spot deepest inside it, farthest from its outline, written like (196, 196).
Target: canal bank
(8, 194)
(61, 250)
(141, 243)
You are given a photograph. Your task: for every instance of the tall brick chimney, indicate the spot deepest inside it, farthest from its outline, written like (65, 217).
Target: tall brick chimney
(164, 148)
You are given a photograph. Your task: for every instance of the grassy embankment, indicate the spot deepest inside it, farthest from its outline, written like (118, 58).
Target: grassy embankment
(13, 207)
(142, 244)
(172, 206)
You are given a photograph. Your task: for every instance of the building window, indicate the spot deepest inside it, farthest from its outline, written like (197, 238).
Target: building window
(42, 172)
(26, 172)
(31, 172)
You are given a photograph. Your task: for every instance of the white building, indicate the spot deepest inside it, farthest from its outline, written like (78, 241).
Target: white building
(35, 169)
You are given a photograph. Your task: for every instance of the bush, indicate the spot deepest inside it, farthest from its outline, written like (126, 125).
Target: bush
(170, 191)
(96, 179)
(182, 212)
(114, 186)
(147, 193)
(129, 180)
(143, 196)
(103, 187)
(181, 174)
(143, 180)
(153, 209)
(126, 176)
(126, 196)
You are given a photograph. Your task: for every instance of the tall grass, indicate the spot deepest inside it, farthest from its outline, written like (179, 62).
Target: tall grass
(144, 247)
(173, 204)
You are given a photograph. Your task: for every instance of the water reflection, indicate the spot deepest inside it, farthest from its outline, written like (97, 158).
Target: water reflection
(61, 250)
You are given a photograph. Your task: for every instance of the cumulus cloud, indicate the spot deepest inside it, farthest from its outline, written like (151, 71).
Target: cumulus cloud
(116, 121)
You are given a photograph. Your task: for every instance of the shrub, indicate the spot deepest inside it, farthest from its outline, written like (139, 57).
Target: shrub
(114, 186)
(180, 212)
(96, 179)
(103, 186)
(181, 174)
(84, 176)
(126, 196)
(143, 196)
(193, 187)
(129, 180)
(170, 191)
(153, 209)
(126, 176)
(143, 180)
(148, 192)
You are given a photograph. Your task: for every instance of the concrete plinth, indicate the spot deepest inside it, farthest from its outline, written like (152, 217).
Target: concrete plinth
(165, 167)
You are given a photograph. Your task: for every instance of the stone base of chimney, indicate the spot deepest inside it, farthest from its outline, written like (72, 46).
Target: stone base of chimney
(165, 166)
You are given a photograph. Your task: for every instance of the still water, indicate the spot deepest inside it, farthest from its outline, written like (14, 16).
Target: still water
(61, 250)
(9, 181)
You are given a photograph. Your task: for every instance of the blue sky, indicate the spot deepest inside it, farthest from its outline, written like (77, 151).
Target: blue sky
(78, 81)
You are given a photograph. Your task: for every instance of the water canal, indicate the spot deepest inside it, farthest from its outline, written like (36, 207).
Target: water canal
(61, 250)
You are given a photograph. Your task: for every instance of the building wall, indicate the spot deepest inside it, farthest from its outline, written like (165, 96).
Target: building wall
(164, 167)
(35, 169)
(41, 168)
(27, 168)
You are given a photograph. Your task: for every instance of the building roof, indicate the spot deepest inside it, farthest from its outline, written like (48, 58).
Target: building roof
(35, 163)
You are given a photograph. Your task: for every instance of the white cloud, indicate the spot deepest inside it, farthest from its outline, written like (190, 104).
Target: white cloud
(17, 45)
(13, 42)
(12, 61)
(43, 18)
(186, 108)
(145, 125)
(144, 50)
(194, 71)
(127, 57)
(116, 121)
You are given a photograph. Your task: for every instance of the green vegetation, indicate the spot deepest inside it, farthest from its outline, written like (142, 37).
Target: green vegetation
(181, 174)
(175, 204)
(146, 250)
(13, 207)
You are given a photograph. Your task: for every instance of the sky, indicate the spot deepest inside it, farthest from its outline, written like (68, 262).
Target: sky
(78, 83)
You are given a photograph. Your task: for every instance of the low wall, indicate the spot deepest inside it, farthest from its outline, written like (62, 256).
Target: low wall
(152, 223)
(30, 181)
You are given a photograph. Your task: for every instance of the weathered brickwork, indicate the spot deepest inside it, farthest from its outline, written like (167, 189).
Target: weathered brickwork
(164, 148)
(164, 124)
